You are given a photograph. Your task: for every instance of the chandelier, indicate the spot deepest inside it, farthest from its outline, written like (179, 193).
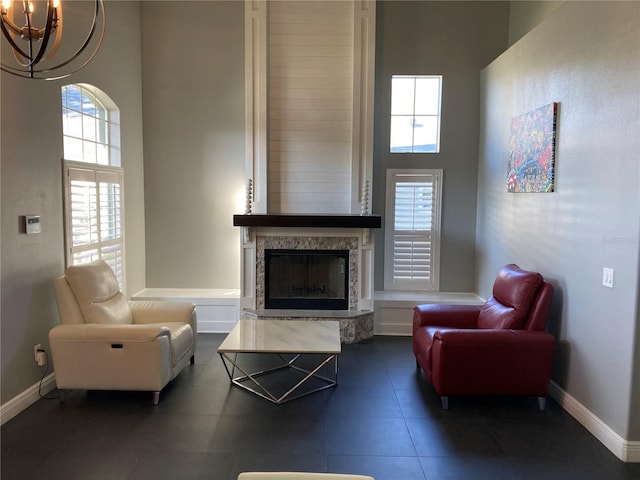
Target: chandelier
(36, 43)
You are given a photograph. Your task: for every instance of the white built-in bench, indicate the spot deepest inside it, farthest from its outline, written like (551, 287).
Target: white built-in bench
(218, 308)
(393, 311)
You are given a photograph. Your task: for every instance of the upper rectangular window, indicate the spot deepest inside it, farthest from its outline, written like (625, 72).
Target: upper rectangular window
(415, 113)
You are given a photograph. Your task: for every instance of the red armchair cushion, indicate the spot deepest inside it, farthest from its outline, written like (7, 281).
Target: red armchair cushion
(513, 293)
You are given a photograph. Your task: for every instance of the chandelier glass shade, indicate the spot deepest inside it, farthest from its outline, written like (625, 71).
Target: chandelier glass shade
(36, 44)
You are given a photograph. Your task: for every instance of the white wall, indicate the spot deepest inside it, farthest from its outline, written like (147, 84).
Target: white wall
(586, 57)
(193, 83)
(31, 153)
(310, 103)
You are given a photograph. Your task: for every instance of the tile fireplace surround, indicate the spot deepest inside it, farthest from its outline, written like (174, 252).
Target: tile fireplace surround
(311, 232)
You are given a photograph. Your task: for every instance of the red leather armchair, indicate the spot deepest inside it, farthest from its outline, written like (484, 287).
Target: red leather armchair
(499, 348)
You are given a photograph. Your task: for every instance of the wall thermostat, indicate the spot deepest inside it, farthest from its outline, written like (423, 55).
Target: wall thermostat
(32, 224)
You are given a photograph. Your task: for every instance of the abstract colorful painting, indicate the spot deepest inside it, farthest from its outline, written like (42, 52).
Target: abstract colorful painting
(532, 150)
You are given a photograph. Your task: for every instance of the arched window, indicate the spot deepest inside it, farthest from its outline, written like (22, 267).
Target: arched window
(94, 221)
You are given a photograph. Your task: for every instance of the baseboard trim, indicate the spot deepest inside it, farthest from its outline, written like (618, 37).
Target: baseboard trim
(625, 450)
(27, 398)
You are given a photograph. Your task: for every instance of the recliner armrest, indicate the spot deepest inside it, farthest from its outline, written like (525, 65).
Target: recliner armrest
(111, 357)
(107, 333)
(449, 316)
(514, 362)
(162, 312)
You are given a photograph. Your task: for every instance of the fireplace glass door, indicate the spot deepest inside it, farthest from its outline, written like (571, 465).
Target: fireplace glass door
(307, 279)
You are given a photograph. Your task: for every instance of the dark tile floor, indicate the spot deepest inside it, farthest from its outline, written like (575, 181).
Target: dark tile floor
(383, 420)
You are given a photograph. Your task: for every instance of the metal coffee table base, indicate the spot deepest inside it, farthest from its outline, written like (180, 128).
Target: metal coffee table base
(249, 381)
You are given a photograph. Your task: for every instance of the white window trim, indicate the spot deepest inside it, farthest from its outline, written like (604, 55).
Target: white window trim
(112, 122)
(437, 116)
(408, 285)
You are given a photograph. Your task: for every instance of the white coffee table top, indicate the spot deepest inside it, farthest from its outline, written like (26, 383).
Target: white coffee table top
(283, 336)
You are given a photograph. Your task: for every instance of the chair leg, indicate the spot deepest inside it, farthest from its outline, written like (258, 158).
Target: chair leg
(542, 403)
(192, 360)
(155, 399)
(63, 395)
(445, 402)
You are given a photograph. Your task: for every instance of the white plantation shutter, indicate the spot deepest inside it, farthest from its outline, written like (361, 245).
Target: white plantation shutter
(94, 216)
(412, 229)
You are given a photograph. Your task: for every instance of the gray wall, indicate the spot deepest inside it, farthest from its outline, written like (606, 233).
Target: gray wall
(193, 83)
(456, 40)
(31, 152)
(194, 128)
(524, 15)
(584, 56)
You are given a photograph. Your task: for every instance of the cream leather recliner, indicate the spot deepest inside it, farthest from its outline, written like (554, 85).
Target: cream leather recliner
(105, 342)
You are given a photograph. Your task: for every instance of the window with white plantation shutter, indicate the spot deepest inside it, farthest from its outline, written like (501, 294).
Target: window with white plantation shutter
(93, 187)
(412, 229)
(94, 213)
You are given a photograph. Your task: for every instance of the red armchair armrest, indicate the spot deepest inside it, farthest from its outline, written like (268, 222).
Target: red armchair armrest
(447, 316)
(512, 362)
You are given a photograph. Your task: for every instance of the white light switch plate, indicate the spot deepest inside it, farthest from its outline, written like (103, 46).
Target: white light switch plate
(32, 224)
(607, 277)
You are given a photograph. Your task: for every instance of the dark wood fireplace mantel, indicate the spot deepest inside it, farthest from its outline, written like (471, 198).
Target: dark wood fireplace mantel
(308, 221)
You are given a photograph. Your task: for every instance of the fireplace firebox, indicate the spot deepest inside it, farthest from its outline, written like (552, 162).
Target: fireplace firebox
(306, 279)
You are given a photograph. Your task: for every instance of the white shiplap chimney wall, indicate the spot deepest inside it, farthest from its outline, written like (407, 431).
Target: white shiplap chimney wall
(309, 93)
(310, 99)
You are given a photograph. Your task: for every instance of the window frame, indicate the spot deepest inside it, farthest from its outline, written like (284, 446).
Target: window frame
(411, 284)
(111, 121)
(414, 115)
(89, 173)
(96, 177)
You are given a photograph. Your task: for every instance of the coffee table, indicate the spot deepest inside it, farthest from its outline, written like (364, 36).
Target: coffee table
(296, 338)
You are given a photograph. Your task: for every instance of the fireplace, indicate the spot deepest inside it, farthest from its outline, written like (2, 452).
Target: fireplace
(348, 236)
(306, 279)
